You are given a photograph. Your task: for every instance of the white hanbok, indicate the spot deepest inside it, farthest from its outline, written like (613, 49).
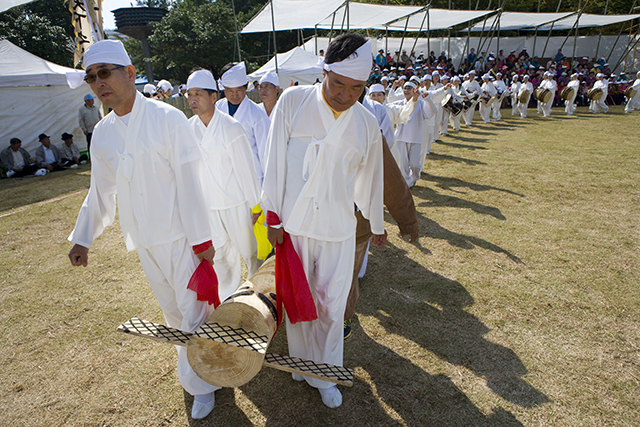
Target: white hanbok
(231, 190)
(634, 103)
(317, 167)
(515, 90)
(485, 110)
(472, 88)
(596, 106)
(256, 124)
(522, 107)
(497, 104)
(569, 104)
(150, 159)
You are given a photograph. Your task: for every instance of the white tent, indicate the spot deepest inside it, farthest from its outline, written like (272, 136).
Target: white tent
(587, 20)
(366, 16)
(520, 20)
(35, 98)
(8, 4)
(298, 65)
(290, 15)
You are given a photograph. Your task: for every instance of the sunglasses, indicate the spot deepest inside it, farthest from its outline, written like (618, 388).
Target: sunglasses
(103, 73)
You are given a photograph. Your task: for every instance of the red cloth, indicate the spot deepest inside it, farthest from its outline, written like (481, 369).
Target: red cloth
(198, 249)
(204, 283)
(292, 288)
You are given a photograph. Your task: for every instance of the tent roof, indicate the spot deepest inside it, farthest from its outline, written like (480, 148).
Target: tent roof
(439, 19)
(296, 61)
(588, 20)
(520, 20)
(291, 15)
(8, 4)
(364, 15)
(21, 68)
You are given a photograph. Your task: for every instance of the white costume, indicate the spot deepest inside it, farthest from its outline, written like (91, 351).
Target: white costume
(410, 138)
(458, 93)
(526, 86)
(569, 104)
(151, 160)
(500, 86)
(317, 166)
(471, 87)
(231, 189)
(550, 84)
(256, 124)
(515, 90)
(634, 103)
(600, 103)
(485, 110)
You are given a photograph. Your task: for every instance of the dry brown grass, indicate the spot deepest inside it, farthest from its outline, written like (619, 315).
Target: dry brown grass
(518, 306)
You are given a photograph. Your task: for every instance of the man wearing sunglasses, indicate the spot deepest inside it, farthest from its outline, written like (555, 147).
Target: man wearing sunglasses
(146, 153)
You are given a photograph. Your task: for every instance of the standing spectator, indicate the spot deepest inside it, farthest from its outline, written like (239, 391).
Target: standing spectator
(89, 115)
(471, 59)
(16, 160)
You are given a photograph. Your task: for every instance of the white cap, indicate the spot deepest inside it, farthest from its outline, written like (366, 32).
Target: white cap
(106, 52)
(435, 73)
(384, 78)
(456, 79)
(202, 79)
(410, 84)
(149, 88)
(270, 77)
(486, 77)
(427, 77)
(164, 85)
(234, 77)
(376, 88)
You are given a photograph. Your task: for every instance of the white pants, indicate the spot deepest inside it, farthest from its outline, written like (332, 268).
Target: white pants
(410, 155)
(514, 105)
(468, 116)
(329, 270)
(425, 149)
(523, 109)
(569, 105)
(546, 107)
(168, 269)
(485, 112)
(444, 123)
(496, 109)
(438, 120)
(455, 121)
(599, 104)
(540, 107)
(633, 103)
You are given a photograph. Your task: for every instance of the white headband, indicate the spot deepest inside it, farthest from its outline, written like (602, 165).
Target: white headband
(106, 52)
(270, 77)
(356, 66)
(410, 84)
(202, 79)
(234, 77)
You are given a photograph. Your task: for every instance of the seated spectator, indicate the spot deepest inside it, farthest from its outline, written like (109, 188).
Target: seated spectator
(69, 151)
(48, 156)
(16, 160)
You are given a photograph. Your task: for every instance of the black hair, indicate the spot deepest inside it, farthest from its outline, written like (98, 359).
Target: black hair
(342, 47)
(14, 141)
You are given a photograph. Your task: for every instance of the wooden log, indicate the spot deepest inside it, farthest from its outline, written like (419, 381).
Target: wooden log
(232, 358)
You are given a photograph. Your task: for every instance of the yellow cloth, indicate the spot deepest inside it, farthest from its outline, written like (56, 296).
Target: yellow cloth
(336, 114)
(260, 230)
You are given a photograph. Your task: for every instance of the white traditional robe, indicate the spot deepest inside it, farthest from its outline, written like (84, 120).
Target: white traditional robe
(256, 124)
(317, 166)
(388, 116)
(500, 86)
(459, 95)
(437, 101)
(634, 103)
(153, 164)
(524, 87)
(471, 87)
(485, 110)
(515, 89)
(395, 95)
(600, 103)
(569, 104)
(231, 190)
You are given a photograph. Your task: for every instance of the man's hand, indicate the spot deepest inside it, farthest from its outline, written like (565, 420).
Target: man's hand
(79, 255)
(254, 217)
(275, 235)
(378, 240)
(416, 95)
(208, 255)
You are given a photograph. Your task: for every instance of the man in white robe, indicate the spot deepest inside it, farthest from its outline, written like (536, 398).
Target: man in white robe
(600, 104)
(410, 137)
(231, 187)
(569, 104)
(634, 102)
(459, 96)
(324, 152)
(236, 104)
(526, 86)
(145, 152)
(500, 86)
(472, 89)
(515, 89)
(488, 92)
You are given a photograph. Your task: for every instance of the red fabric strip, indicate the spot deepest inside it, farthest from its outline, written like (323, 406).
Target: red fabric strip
(204, 282)
(198, 249)
(272, 218)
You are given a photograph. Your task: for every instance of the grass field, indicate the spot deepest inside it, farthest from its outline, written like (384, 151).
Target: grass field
(519, 305)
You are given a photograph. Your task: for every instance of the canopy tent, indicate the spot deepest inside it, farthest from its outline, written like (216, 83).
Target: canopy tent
(366, 16)
(520, 20)
(8, 4)
(35, 98)
(439, 19)
(587, 20)
(298, 65)
(291, 15)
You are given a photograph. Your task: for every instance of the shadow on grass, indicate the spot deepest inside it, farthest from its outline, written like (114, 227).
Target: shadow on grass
(436, 156)
(431, 198)
(464, 146)
(448, 183)
(459, 137)
(429, 310)
(18, 192)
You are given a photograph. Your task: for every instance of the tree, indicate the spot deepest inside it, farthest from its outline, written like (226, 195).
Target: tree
(42, 28)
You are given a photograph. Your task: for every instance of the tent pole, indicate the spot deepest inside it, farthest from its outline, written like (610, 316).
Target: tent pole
(484, 23)
(622, 29)
(348, 16)
(402, 40)
(333, 19)
(466, 46)
(606, 6)
(421, 26)
(627, 50)
(550, 31)
(316, 32)
(535, 36)
(386, 39)
(491, 30)
(273, 26)
(449, 43)
(428, 31)
(235, 22)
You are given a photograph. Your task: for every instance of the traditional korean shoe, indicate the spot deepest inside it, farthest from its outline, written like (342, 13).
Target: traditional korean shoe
(331, 396)
(200, 409)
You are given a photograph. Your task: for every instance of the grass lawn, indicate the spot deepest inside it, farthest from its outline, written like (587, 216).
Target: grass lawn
(519, 305)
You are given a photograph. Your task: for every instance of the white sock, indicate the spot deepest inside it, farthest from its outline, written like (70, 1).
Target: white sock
(331, 396)
(203, 398)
